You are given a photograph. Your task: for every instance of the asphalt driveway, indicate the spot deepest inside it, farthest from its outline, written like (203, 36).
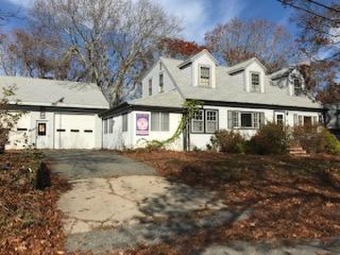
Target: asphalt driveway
(83, 164)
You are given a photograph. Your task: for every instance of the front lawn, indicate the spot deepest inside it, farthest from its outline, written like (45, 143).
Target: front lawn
(285, 197)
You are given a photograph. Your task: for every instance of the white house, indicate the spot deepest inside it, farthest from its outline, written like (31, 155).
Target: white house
(56, 114)
(241, 97)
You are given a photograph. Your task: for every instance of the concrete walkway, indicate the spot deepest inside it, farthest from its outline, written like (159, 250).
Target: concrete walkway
(117, 203)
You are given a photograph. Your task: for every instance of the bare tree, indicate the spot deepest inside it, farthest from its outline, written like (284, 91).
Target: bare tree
(108, 42)
(319, 42)
(238, 40)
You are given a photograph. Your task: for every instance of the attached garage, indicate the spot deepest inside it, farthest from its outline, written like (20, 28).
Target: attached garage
(57, 114)
(74, 131)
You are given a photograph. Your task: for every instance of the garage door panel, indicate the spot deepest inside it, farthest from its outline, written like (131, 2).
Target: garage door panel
(74, 131)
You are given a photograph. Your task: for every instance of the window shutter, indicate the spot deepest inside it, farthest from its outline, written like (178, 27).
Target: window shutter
(230, 120)
(315, 120)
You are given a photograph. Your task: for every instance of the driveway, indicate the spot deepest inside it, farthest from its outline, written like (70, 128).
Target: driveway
(84, 164)
(118, 203)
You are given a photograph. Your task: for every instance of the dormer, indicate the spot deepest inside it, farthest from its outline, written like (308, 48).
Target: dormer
(202, 69)
(253, 74)
(291, 79)
(296, 83)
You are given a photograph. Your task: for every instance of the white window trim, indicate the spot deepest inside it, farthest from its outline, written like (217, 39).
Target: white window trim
(204, 122)
(199, 76)
(251, 89)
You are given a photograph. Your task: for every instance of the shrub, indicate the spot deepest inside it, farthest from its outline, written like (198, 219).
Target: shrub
(306, 137)
(269, 139)
(228, 141)
(316, 139)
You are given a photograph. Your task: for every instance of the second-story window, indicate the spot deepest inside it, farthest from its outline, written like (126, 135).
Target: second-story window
(204, 76)
(255, 82)
(150, 87)
(161, 83)
(297, 87)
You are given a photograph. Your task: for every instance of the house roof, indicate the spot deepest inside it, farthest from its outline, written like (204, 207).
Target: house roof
(196, 56)
(229, 89)
(43, 92)
(167, 99)
(245, 64)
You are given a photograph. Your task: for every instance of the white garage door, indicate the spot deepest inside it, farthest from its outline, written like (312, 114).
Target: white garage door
(74, 131)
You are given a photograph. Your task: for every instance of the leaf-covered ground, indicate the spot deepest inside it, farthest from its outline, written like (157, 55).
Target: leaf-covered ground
(29, 220)
(287, 198)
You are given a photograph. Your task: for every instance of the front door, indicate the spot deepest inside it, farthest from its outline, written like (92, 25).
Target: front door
(280, 118)
(41, 135)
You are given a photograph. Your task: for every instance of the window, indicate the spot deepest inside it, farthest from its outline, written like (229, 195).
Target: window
(161, 83)
(41, 129)
(124, 122)
(255, 82)
(245, 119)
(279, 119)
(205, 121)
(160, 121)
(210, 121)
(204, 76)
(150, 87)
(197, 124)
(297, 87)
(105, 122)
(111, 122)
(160, 66)
(305, 120)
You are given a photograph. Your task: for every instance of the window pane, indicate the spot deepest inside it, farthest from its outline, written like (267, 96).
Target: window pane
(105, 126)
(155, 121)
(246, 120)
(297, 87)
(198, 122)
(204, 76)
(150, 87)
(125, 123)
(211, 121)
(161, 83)
(165, 121)
(255, 82)
(235, 119)
(111, 126)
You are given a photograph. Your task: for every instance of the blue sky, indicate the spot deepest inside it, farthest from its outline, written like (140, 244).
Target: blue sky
(197, 16)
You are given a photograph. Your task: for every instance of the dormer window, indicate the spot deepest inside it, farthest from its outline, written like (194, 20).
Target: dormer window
(255, 82)
(297, 87)
(161, 83)
(204, 76)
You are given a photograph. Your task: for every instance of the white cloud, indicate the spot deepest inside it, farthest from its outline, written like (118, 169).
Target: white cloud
(198, 16)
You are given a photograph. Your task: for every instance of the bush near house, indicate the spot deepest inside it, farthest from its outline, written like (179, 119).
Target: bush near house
(269, 139)
(316, 139)
(228, 141)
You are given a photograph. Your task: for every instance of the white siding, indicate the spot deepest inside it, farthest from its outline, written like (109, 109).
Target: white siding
(53, 139)
(123, 140)
(256, 68)
(154, 76)
(203, 60)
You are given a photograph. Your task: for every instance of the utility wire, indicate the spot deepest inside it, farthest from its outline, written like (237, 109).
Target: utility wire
(305, 10)
(324, 6)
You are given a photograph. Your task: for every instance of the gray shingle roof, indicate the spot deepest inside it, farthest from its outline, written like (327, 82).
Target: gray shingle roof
(228, 89)
(42, 92)
(167, 99)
